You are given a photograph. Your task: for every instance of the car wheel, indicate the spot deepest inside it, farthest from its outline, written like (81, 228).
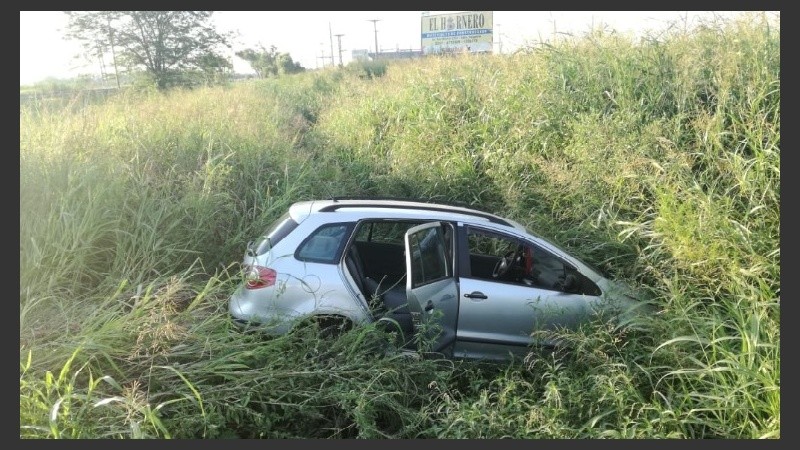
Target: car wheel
(331, 327)
(393, 337)
(314, 336)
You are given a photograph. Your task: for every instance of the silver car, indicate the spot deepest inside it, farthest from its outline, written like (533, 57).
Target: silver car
(482, 282)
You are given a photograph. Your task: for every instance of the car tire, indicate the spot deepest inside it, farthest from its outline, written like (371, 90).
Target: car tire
(331, 327)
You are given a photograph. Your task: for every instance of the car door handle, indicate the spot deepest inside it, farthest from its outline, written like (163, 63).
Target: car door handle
(429, 306)
(476, 294)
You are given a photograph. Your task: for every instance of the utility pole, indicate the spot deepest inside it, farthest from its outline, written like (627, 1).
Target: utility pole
(339, 38)
(375, 27)
(499, 37)
(554, 31)
(421, 48)
(322, 53)
(331, 34)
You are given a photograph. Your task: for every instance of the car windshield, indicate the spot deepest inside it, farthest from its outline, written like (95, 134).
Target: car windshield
(277, 231)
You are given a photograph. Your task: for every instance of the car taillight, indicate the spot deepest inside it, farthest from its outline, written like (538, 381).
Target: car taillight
(257, 277)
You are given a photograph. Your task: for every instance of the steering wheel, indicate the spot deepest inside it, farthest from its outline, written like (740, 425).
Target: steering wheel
(504, 264)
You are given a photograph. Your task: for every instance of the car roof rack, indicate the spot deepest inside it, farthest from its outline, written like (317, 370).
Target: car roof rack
(428, 205)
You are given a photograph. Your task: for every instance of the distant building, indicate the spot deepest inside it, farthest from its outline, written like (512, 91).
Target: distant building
(366, 55)
(398, 54)
(360, 55)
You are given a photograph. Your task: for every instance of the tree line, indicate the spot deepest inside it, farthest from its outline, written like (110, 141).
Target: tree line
(171, 48)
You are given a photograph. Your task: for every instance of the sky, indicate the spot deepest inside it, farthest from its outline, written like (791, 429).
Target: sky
(309, 36)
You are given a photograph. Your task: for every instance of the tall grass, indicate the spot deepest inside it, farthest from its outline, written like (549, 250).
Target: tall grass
(657, 159)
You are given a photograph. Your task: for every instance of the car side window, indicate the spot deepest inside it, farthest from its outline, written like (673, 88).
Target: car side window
(384, 231)
(507, 259)
(497, 257)
(324, 244)
(429, 256)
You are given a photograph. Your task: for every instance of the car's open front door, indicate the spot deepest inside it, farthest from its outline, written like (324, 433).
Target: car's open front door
(431, 287)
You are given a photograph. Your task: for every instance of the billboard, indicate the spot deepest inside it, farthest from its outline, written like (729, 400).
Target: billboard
(469, 31)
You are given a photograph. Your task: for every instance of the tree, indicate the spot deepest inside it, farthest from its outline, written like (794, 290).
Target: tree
(163, 43)
(213, 68)
(287, 66)
(96, 33)
(262, 60)
(268, 62)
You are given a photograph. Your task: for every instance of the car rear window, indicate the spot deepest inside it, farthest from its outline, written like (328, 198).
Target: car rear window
(277, 231)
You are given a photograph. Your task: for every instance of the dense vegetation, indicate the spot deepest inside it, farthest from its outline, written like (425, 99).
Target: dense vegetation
(656, 159)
